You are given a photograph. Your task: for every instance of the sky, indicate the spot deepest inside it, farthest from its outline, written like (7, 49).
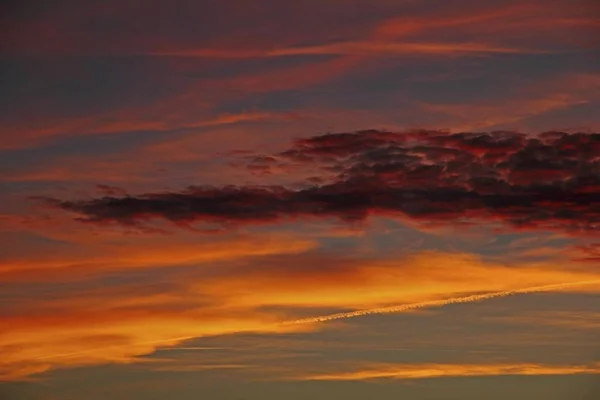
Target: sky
(317, 199)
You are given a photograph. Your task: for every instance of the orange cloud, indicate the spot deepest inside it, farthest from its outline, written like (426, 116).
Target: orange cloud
(425, 371)
(116, 326)
(147, 252)
(440, 303)
(426, 276)
(68, 316)
(37, 344)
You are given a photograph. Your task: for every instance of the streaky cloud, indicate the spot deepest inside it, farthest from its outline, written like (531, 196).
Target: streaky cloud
(437, 303)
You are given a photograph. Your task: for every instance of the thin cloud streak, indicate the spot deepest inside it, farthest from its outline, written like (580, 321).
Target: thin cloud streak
(437, 303)
(360, 48)
(425, 371)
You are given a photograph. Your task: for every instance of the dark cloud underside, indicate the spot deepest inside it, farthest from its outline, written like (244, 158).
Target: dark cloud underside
(546, 181)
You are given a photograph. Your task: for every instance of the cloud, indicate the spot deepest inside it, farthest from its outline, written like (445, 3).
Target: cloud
(438, 303)
(318, 280)
(571, 319)
(154, 251)
(425, 371)
(125, 120)
(119, 336)
(87, 322)
(546, 181)
(361, 48)
(589, 253)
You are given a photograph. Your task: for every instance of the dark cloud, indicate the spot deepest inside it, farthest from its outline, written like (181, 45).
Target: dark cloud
(545, 181)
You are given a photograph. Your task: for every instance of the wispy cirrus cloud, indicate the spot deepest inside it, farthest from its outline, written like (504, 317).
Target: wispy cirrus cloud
(427, 371)
(128, 121)
(361, 48)
(269, 24)
(121, 336)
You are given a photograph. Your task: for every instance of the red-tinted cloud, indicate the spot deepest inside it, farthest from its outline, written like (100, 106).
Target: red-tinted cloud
(590, 253)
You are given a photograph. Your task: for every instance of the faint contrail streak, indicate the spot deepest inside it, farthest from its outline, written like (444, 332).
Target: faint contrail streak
(435, 303)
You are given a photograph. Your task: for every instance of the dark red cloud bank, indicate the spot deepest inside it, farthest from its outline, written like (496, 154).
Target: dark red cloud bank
(545, 181)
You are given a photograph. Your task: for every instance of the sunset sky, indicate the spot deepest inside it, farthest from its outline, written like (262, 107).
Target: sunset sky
(312, 199)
